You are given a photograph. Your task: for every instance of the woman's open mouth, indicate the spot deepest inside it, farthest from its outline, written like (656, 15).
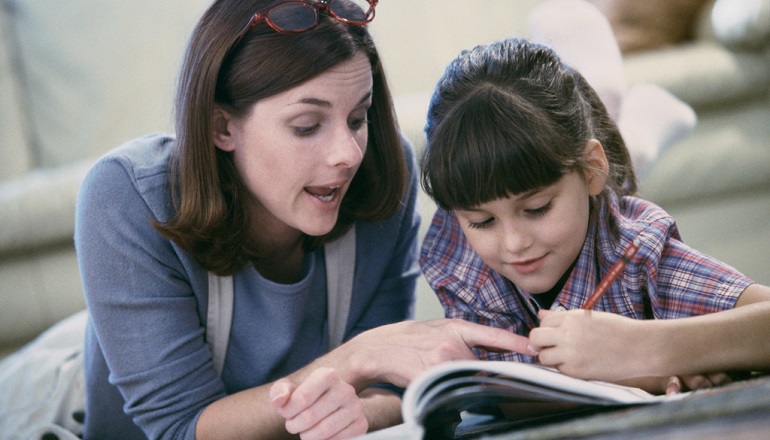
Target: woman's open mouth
(323, 193)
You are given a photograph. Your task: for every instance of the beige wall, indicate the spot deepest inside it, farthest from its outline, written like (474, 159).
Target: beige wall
(417, 38)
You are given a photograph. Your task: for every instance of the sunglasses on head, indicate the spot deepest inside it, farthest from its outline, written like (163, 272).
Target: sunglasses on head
(297, 16)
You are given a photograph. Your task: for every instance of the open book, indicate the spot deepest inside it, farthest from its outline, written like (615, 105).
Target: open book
(465, 398)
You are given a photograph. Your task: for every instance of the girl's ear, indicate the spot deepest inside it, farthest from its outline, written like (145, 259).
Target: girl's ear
(221, 122)
(599, 168)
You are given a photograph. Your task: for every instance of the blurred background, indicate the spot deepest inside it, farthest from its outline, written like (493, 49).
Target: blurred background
(78, 78)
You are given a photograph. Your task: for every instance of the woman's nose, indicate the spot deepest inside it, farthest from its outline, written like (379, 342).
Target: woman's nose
(346, 148)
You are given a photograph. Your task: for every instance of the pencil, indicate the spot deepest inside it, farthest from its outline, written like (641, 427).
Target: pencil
(614, 272)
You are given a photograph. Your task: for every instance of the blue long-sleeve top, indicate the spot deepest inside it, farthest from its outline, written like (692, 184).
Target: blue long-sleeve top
(149, 372)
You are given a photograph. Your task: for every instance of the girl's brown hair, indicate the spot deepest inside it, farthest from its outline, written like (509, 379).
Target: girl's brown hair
(510, 117)
(210, 199)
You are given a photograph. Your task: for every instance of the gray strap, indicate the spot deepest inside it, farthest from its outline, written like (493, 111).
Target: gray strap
(220, 318)
(340, 266)
(340, 257)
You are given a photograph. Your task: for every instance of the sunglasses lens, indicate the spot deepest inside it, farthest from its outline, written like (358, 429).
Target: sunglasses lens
(293, 16)
(354, 11)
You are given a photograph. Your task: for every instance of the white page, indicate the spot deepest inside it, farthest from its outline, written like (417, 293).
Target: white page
(533, 374)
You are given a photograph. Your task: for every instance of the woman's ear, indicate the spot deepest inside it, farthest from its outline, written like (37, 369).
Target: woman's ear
(221, 122)
(599, 168)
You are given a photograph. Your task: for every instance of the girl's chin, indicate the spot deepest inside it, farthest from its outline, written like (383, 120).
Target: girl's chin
(534, 286)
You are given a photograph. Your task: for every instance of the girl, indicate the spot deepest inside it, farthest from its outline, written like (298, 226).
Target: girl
(536, 202)
(285, 141)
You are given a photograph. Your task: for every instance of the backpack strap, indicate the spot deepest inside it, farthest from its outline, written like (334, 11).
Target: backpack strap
(220, 318)
(340, 257)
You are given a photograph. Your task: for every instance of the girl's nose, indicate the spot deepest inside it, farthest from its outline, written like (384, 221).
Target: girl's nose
(516, 239)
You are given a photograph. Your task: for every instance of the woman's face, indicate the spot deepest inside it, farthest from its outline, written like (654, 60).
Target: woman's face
(533, 238)
(298, 151)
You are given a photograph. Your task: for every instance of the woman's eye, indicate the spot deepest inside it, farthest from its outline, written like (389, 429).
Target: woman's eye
(358, 123)
(482, 224)
(541, 210)
(303, 131)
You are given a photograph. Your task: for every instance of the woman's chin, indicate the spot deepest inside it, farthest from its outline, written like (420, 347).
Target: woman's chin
(318, 227)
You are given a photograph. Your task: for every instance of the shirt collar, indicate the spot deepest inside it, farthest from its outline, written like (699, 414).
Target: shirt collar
(600, 249)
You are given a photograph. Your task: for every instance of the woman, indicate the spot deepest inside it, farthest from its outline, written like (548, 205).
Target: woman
(285, 140)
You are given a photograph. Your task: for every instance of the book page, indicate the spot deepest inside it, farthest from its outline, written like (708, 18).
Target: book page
(511, 380)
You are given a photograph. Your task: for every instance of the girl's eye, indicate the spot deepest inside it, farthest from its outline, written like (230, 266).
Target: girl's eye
(482, 224)
(303, 131)
(541, 210)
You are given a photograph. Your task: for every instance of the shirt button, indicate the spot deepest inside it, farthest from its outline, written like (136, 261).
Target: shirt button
(561, 308)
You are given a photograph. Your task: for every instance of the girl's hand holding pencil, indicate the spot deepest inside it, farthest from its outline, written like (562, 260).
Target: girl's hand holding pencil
(585, 343)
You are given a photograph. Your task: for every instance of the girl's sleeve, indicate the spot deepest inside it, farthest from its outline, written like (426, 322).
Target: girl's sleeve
(142, 305)
(682, 281)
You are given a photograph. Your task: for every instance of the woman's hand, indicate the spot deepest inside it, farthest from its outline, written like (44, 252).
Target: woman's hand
(323, 406)
(400, 352)
(323, 399)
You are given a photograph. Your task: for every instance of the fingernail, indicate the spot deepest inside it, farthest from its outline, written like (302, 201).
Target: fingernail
(275, 395)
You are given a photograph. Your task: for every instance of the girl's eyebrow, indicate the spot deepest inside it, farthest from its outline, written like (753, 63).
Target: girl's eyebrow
(529, 194)
(520, 197)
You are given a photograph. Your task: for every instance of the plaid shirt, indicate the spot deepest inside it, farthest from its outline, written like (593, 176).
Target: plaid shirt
(666, 279)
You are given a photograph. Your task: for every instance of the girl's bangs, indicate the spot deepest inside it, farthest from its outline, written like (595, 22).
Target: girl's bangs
(489, 149)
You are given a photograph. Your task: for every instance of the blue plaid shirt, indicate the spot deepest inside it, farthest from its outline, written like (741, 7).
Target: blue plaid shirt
(666, 279)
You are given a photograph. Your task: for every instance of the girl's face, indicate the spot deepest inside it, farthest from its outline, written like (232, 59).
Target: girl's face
(298, 151)
(533, 238)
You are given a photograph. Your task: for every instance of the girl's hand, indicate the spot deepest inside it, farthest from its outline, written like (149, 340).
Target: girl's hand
(604, 346)
(677, 384)
(323, 406)
(589, 344)
(680, 384)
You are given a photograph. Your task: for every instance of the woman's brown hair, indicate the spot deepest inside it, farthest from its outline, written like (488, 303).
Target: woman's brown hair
(210, 218)
(510, 117)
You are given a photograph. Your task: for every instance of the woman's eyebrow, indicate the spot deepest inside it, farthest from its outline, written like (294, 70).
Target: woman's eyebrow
(326, 104)
(315, 101)
(366, 97)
